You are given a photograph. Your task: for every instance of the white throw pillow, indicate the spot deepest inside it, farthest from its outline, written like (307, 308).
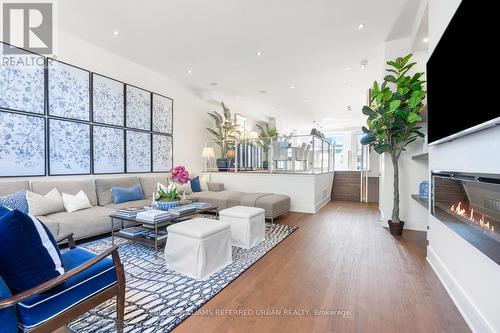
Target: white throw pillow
(72, 203)
(44, 204)
(184, 189)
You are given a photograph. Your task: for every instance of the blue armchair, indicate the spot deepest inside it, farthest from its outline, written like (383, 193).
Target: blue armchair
(89, 280)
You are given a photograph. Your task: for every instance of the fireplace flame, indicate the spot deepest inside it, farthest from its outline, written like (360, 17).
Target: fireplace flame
(481, 221)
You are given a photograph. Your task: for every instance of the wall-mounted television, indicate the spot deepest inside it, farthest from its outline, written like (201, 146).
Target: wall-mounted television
(462, 75)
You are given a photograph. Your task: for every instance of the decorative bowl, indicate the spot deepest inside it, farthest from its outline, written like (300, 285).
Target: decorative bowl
(166, 205)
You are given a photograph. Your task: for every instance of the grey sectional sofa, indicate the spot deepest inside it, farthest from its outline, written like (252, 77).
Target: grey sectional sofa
(95, 220)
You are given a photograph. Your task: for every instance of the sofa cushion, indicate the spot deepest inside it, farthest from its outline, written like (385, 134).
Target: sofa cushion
(218, 199)
(15, 200)
(38, 308)
(67, 186)
(84, 223)
(274, 204)
(215, 187)
(8, 316)
(39, 204)
(103, 187)
(72, 203)
(14, 186)
(123, 194)
(129, 204)
(184, 189)
(148, 183)
(52, 225)
(29, 255)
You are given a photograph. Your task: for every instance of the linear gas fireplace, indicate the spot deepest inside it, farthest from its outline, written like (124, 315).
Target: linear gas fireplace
(469, 204)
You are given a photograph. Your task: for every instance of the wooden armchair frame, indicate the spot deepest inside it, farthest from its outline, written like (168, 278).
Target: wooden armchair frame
(77, 310)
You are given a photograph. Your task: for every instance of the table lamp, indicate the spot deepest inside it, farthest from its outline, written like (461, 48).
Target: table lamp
(207, 153)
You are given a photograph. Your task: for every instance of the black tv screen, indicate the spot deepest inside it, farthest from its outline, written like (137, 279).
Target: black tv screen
(462, 75)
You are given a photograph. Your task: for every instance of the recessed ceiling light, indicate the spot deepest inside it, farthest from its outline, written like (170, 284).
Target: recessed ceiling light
(259, 53)
(115, 33)
(292, 87)
(190, 71)
(214, 84)
(425, 40)
(361, 26)
(263, 91)
(347, 68)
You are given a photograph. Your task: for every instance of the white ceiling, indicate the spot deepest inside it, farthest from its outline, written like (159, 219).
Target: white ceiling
(306, 44)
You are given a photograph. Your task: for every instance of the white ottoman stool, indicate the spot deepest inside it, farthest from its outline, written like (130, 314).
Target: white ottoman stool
(198, 247)
(248, 226)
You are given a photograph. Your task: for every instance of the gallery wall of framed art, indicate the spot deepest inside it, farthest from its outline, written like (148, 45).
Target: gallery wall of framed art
(59, 119)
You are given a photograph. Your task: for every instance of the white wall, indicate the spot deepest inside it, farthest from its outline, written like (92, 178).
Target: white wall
(190, 119)
(307, 192)
(470, 277)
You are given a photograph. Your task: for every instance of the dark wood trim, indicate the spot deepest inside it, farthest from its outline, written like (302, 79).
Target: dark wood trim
(69, 238)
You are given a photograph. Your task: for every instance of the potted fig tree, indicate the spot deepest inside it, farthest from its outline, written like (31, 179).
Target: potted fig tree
(225, 133)
(266, 136)
(393, 116)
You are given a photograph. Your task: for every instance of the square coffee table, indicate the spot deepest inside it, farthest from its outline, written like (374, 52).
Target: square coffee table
(155, 227)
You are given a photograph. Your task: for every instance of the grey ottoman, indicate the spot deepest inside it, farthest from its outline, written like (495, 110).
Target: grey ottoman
(274, 205)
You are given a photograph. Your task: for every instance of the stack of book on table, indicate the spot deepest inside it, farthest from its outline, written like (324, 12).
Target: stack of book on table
(128, 212)
(134, 231)
(153, 215)
(162, 234)
(201, 205)
(182, 210)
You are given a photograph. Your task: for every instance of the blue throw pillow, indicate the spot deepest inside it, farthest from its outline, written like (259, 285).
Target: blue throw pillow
(195, 184)
(15, 201)
(127, 194)
(29, 254)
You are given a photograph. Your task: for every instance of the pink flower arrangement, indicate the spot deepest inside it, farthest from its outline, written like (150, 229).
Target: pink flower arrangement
(179, 174)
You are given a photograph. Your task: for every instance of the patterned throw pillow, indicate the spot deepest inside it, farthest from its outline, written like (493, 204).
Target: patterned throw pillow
(15, 201)
(29, 255)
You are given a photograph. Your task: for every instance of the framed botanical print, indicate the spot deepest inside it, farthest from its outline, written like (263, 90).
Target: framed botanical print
(108, 105)
(22, 81)
(138, 108)
(69, 148)
(162, 153)
(22, 145)
(138, 149)
(162, 114)
(108, 149)
(68, 91)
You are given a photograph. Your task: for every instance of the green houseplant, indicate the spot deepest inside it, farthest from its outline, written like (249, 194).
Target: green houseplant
(225, 132)
(266, 135)
(393, 115)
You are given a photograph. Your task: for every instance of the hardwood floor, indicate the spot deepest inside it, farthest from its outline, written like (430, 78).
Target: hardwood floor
(339, 259)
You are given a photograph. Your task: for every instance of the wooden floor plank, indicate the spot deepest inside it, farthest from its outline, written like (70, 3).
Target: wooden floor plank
(339, 259)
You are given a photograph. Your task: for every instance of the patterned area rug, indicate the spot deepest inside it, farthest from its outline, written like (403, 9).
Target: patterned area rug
(158, 299)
